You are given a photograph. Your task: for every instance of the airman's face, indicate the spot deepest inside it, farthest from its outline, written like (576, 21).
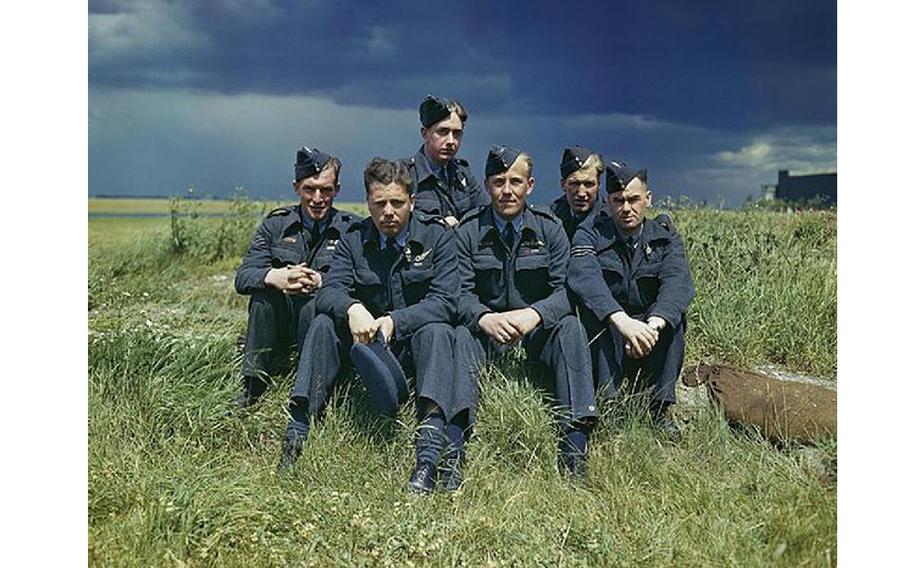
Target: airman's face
(390, 207)
(442, 140)
(628, 206)
(581, 189)
(509, 190)
(317, 192)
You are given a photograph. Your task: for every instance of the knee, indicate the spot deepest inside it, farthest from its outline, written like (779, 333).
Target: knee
(321, 330)
(569, 328)
(435, 332)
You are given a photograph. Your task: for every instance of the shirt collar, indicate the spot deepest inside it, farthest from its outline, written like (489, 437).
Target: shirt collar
(426, 167)
(401, 239)
(309, 222)
(501, 223)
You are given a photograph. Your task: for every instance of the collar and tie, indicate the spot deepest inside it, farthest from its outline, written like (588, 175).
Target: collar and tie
(315, 235)
(508, 236)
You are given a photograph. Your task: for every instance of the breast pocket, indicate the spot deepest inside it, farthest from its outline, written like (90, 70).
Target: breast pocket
(427, 200)
(488, 278)
(613, 270)
(532, 277)
(283, 255)
(416, 283)
(647, 282)
(368, 287)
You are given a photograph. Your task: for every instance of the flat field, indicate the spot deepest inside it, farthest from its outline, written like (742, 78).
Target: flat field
(176, 479)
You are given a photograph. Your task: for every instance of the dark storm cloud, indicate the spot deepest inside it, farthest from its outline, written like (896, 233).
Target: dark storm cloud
(725, 65)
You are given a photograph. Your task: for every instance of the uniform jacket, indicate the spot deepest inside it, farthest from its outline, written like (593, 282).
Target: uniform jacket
(282, 240)
(435, 196)
(654, 281)
(560, 208)
(420, 287)
(494, 280)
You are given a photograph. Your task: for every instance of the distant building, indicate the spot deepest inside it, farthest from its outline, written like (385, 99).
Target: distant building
(803, 188)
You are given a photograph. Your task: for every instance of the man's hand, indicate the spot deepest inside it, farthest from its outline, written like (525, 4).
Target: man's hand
(310, 279)
(387, 327)
(286, 278)
(525, 319)
(657, 323)
(500, 328)
(451, 221)
(361, 323)
(639, 337)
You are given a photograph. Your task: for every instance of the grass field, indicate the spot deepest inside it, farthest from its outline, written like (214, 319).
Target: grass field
(175, 479)
(150, 206)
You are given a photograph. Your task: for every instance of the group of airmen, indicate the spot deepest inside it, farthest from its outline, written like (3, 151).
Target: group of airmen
(447, 275)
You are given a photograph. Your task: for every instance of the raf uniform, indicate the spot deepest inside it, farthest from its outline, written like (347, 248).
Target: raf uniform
(278, 320)
(573, 158)
(414, 279)
(531, 272)
(449, 189)
(644, 275)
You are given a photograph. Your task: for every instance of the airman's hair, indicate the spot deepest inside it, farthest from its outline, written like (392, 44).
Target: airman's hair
(594, 162)
(384, 172)
(527, 158)
(458, 109)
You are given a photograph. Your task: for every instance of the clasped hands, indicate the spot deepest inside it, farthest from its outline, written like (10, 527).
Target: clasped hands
(639, 337)
(294, 279)
(508, 327)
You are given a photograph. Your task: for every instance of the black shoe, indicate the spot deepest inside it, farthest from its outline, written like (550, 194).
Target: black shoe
(663, 422)
(423, 478)
(294, 438)
(450, 466)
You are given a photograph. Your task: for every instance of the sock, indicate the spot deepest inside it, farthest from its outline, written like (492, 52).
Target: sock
(455, 433)
(254, 386)
(299, 417)
(574, 439)
(430, 437)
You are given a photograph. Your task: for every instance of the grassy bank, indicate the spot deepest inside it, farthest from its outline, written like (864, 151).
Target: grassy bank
(175, 479)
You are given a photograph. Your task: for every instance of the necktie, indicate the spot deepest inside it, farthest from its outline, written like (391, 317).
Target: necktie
(314, 235)
(630, 246)
(509, 236)
(391, 251)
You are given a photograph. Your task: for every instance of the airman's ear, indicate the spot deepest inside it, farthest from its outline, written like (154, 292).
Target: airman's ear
(530, 185)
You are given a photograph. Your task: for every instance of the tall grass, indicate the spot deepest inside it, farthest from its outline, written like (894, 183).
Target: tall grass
(177, 478)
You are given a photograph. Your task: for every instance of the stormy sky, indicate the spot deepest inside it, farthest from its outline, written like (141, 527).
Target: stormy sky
(713, 97)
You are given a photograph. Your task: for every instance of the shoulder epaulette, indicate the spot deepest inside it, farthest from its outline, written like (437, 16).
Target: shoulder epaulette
(472, 214)
(280, 211)
(664, 221)
(543, 212)
(429, 218)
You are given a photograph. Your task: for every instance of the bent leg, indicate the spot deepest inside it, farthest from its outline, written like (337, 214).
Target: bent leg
(662, 366)
(269, 334)
(565, 350)
(321, 359)
(432, 348)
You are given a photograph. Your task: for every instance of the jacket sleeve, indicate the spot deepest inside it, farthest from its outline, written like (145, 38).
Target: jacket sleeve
(334, 298)
(256, 262)
(676, 286)
(470, 308)
(440, 302)
(586, 278)
(556, 305)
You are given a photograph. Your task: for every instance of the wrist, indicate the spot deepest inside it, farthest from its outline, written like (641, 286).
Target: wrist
(618, 318)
